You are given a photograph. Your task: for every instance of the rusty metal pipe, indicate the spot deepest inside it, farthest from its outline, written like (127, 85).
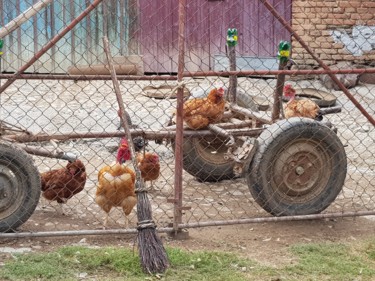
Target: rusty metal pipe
(278, 219)
(321, 63)
(186, 225)
(50, 44)
(179, 122)
(277, 72)
(87, 77)
(187, 74)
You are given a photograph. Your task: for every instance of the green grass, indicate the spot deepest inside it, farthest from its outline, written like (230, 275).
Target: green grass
(120, 264)
(312, 262)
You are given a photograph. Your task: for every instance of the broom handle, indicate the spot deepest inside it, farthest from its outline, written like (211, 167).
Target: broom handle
(121, 106)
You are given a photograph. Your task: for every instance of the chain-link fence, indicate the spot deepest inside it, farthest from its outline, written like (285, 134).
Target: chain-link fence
(245, 159)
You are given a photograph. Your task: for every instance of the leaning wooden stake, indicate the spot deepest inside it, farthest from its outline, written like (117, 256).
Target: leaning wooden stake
(151, 250)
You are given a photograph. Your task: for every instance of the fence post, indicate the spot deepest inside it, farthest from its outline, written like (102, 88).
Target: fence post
(232, 37)
(179, 122)
(283, 56)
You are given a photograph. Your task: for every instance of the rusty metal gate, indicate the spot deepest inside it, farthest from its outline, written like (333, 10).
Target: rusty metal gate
(254, 159)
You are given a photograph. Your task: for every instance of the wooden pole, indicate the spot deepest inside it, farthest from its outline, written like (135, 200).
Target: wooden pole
(152, 253)
(283, 55)
(179, 119)
(232, 38)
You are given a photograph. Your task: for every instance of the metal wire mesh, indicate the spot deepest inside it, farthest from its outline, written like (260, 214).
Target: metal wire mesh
(65, 102)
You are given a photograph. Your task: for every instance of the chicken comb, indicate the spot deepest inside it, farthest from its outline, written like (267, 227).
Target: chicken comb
(124, 142)
(221, 90)
(287, 87)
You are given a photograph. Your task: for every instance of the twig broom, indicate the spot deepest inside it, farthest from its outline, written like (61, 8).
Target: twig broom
(153, 256)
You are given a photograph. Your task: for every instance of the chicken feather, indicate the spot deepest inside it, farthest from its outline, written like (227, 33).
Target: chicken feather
(198, 113)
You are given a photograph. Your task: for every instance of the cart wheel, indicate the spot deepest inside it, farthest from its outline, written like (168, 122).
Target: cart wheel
(204, 158)
(19, 187)
(298, 169)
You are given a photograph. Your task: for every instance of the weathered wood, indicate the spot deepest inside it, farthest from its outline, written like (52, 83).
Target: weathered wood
(277, 96)
(21, 18)
(232, 90)
(250, 114)
(147, 134)
(101, 69)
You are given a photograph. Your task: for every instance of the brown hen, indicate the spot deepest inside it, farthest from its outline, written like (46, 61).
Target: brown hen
(116, 185)
(61, 184)
(149, 165)
(198, 113)
(299, 108)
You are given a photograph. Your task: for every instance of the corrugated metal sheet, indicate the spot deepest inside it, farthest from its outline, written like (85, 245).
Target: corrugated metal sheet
(83, 45)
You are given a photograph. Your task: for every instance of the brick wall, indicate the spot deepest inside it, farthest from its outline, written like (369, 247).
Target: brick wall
(336, 30)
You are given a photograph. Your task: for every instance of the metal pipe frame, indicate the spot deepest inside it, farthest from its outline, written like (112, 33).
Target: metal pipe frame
(294, 72)
(179, 133)
(186, 225)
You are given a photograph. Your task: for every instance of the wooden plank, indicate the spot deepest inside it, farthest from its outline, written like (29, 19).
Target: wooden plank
(197, 37)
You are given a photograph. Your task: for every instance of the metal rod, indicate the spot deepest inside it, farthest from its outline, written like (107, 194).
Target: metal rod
(278, 219)
(87, 77)
(75, 233)
(277, 72)
(177, 218)
(50, 44)
(320, 62)
(187, 74)
(186, 225)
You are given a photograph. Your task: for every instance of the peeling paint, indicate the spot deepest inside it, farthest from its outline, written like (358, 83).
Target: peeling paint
(361, 39)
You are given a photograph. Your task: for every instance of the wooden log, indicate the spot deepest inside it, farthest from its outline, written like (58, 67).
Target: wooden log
(147, 134)
(250, 114)
(102, 69)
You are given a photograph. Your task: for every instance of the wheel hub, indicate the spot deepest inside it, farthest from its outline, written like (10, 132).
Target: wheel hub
(8, 188)
(300, 170)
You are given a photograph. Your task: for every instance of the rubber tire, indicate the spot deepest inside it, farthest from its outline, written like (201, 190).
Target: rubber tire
(198, 163)
(321, 98)
(20, 183)
(276, 142)
(203, 167)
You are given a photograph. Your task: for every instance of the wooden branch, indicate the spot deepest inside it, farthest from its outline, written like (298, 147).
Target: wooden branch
(25, 16)
(147, 134)
(250, 114)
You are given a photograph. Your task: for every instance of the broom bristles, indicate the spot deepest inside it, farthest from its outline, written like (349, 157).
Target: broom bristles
(152, 253)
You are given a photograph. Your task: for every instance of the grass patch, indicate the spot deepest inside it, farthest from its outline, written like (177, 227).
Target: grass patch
(121, 264)
(312, 262)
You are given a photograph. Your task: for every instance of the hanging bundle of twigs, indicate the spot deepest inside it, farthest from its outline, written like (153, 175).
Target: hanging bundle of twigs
(151, 250)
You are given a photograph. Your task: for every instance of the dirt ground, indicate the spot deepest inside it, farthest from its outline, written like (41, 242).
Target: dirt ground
(84, 106)
(266, 243)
